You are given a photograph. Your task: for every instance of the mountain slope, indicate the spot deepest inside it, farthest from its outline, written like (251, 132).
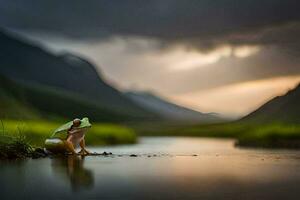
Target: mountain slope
(169, 110)
(31, 65)
(284, 108)
(21, 101)
(10, 107)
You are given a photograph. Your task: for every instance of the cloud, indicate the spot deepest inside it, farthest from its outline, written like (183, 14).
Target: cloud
(199, 51)
(269, 62)
(245, 51)
(187, 60)
(203, 25)
(139, 63)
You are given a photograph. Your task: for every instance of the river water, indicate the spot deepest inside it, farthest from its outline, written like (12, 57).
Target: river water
(164, 168)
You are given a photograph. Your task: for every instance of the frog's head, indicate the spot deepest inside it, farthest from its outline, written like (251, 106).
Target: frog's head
(76, 122)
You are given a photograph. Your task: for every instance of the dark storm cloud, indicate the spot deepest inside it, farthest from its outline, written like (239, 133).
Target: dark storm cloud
(202, 24)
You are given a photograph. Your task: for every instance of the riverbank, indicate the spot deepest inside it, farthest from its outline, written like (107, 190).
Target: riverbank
(36, 132)
(270, 135)
(13, 148)
(21, 139)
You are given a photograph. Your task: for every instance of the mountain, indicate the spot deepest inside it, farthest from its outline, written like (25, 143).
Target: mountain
(284, 108)
(18, 101)
(170, 111)
(67, 77)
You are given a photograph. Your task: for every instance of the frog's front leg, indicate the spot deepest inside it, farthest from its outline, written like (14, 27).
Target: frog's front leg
(69, 145)
(83, 150)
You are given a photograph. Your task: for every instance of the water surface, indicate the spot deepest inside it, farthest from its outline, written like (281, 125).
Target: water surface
(165, 168)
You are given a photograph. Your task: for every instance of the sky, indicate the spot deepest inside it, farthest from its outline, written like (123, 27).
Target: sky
(223, 56)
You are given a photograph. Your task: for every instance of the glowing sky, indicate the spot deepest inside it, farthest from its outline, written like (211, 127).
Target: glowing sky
(213, 56)
(174, 73)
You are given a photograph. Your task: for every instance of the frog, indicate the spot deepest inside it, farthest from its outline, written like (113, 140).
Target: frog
(68, 136)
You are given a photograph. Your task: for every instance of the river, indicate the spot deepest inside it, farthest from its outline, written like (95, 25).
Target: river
(161, 168)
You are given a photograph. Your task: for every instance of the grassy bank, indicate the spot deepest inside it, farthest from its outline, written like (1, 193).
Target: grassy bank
(37, 131)
(14, 147)
(269, 135)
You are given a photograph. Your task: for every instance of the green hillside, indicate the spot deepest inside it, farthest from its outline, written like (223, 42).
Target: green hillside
(34, 112)
(21, 101)
(12, 108)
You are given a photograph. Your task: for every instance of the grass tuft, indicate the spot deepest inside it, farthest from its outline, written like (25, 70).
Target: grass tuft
(14, 147)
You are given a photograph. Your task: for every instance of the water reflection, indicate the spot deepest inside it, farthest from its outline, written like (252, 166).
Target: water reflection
(72, 169)
(219, 171)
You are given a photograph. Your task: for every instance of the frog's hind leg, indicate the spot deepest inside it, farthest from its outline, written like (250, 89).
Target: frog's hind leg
(55, 146)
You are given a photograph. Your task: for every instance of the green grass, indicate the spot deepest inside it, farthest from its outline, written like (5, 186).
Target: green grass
(110, 134)
(14, 148)
(247, 134)
(272, 135)
(37, 131)
(261, 135)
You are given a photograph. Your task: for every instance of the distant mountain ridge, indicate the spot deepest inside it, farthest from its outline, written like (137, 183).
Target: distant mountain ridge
(170, 111)
(29, 65)
(284, 108)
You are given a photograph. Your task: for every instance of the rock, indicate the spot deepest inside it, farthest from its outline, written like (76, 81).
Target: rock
(38, 153)
(40, 150)
(106, 153)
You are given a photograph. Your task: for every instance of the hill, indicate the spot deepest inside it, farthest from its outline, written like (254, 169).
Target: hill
(21, 101)
(170, 111)
(11, 107)
(284, 108)
(48, 80)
